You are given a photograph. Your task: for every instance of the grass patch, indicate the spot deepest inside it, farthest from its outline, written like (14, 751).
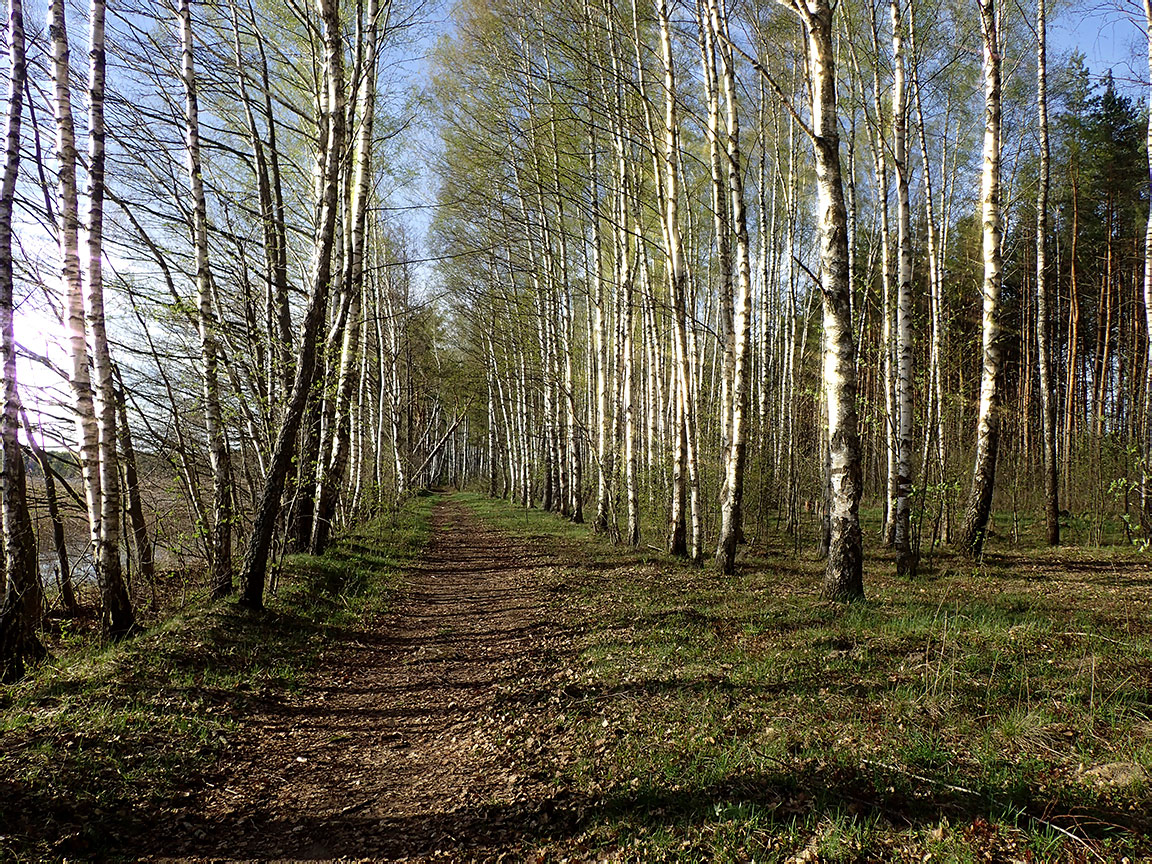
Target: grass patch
(100, 741)
(978, 711)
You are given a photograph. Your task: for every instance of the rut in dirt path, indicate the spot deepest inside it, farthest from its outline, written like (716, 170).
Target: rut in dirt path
(395, 750)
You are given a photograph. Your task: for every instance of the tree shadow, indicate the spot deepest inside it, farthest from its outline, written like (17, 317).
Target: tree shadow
(776, 800)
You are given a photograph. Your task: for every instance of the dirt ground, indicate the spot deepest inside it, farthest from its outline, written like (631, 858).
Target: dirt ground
(400, 748)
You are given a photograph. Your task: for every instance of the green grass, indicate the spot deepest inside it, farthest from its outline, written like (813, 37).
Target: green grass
(956, 714)
(99, 741)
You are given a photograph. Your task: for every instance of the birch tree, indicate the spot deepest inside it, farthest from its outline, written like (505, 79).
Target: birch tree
(219, 458)
(732, 493)
(22, 600)
(979, 507)
(97, 437)
(331, 156)
(1043, 322)
(1146, 474)
(332, 473)
(843, 571)
(902, 396)
(685, 485)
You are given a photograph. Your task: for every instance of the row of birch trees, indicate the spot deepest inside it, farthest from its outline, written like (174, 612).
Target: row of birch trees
(725, 264)
(201, 210)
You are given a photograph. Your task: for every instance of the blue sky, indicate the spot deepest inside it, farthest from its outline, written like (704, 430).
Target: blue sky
(1110, 35)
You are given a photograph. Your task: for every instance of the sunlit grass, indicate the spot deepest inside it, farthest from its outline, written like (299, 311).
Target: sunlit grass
(960, 714)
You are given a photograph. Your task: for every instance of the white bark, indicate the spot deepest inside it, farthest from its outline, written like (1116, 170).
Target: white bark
(331, 156)
(219, 458)
(1146, 474)
(334, 467)
(843, 568)
(684, 425)
(902, 396)
(22, 600)
(979, 507)
(732, 496)
(1043, 347)
(98, 460)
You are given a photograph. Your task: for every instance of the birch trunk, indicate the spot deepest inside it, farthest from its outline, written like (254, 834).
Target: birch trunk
(396, 399)
(117, 619)
(979, 508)
(107, 545)
(625, 280)
(332, 475)
(901, 534)
(218, 455)
(1146, 473)
(936, 289)
(59, 544)
(677, 275)
(721, 224)
(256, 556)
(842, 574)
(732, 494)
(144, 556)
(600, 345)
(1043, 318)
(888, 289)
(22, 602)
(118, 616)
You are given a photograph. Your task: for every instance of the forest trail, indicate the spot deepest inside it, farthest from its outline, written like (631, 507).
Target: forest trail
(394, 750)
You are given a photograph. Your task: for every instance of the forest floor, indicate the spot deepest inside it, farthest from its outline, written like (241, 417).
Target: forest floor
(471, 681)
(398, 746)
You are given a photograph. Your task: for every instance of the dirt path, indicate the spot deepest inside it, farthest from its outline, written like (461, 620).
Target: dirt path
(398, 749)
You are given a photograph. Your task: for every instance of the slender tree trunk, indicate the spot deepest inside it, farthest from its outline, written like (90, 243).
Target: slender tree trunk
(600, 345)
(1043, 320)
(721, 224)
(396, 402)
(218, 455)
(889, 293)
(22, 602)
(979, 508)
(936, 292)
(678, 534)
(493, 434)
(59, 543)
(902, 397)
(332, 477)
(1146, 474)
(1071, 383)
(256, 557)
(119, 620)
(732, 495)
(97, 463)
(132, 489)
(843, 568)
